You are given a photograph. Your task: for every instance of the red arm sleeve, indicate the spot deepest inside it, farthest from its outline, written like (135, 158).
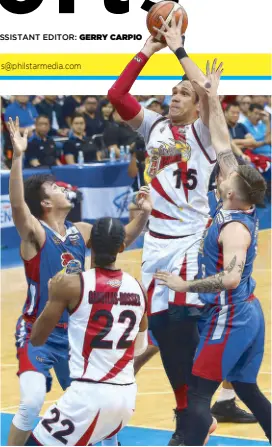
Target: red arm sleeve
(126, 105)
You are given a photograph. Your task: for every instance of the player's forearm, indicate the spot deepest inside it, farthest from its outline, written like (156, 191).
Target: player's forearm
(16, 185)
(192, 70)
(220, 137)
(126, 105)
(135, 227)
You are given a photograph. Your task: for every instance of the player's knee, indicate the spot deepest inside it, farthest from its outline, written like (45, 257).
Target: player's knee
(29, 410)
(33, 390)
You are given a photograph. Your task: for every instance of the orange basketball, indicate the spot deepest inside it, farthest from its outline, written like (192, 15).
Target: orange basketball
(165, 9)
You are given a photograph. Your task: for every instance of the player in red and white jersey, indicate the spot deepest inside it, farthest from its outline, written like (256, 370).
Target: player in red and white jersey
(179, 162)
(107, 328)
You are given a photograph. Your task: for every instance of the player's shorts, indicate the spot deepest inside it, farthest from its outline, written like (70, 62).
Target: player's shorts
(179, 256)
(86, 414)
(231, 343)
(53, 354)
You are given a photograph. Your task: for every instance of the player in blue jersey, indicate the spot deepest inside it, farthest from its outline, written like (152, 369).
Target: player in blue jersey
(49, 244)
(232, 338)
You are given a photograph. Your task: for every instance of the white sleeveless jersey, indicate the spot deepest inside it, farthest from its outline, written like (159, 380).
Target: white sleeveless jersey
(103, 328)
(178, 171)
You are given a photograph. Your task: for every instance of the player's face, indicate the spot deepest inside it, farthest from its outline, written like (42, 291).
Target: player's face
(183, 100)
(57, 197)
(226, 187)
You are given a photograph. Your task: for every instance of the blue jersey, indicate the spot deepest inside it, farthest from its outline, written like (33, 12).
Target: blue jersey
(211, 256)
(214, 203)
(58, 253)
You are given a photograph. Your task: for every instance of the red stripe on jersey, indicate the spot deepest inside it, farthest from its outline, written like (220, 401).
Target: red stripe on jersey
(209, 362)
(201, 146)
(158, 187)
(88, 433)
(102, 277)
(184, 179)
(160, 215)
(120, 364)
(115, 431)
(219, 264)
(150, 292)
(180, 297)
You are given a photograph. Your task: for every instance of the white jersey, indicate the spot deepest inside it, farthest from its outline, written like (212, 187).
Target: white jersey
(179, 163)
(103, 328)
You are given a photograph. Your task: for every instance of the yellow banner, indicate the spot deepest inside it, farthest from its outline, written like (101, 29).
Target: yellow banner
(251, 66)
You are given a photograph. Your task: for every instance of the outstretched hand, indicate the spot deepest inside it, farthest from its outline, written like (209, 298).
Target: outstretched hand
(171, 32)
(210, 85)
(152, 46)
(19, 142)
(143, 199)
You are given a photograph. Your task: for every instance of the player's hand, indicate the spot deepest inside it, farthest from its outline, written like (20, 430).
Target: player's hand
(171, 33)
(19, 142)
(143, 199)
(172, 281)
(211, 83)
(152, 46)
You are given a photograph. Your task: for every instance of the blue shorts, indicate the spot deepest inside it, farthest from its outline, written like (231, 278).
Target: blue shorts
(53, 354)
(231, 343)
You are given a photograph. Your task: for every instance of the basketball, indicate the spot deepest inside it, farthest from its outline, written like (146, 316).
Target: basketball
(165, 9)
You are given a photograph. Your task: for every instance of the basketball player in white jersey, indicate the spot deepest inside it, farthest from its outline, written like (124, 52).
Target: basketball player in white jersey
(180, 159)
(107, 328)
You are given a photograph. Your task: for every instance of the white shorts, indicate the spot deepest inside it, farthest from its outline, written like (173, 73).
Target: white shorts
(86, 414)
(178, 256)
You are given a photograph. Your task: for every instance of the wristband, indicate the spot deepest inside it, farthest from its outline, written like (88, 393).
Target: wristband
(181, 53)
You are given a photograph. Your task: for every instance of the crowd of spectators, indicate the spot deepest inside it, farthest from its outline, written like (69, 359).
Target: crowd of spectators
(59, 127)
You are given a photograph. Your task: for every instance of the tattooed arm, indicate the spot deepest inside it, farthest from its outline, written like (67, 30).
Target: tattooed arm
(220, 137)
(235, 239)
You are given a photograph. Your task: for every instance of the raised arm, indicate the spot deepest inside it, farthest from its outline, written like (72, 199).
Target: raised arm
(64, 293)
(174, 41)
(126, 105)
(217, 123)
(134, 228)
(235, 239)
(27, 225)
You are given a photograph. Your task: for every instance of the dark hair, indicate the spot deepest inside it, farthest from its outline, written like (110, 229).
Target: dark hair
(185, 78)
(90, 96)
(77, 115)
(255, 106)
(231, 104)
(34, 192)
(42, 116)
(251, 185)
(107, 236)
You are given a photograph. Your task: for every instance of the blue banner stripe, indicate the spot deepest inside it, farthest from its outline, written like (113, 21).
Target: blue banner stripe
(113, 78)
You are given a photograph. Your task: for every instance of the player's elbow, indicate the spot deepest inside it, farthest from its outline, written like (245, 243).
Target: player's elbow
(232, 281)
(113, 96)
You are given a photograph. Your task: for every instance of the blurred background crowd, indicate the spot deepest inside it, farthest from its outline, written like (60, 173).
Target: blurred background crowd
(62, 127)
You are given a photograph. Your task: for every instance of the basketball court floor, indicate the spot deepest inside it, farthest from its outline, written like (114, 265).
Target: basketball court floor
(152, 422)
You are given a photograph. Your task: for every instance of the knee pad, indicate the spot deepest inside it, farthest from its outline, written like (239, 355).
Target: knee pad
(33, 390)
